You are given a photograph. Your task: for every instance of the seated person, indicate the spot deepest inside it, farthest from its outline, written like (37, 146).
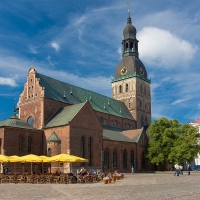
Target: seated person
(98, 171)
(26, 172)
(85, 172)
(71, 173)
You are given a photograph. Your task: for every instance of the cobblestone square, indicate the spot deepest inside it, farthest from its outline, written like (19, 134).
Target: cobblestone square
(136, 186)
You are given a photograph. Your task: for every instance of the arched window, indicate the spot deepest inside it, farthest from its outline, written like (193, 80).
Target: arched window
(21, 144)
(143, 160)
(106, 159)
(127, 125)
(115, 166)
(115, 123)
(124, 159)
(30, 121)
(141, 104)
(89, 151)
(126, 87)
(126, 45)
(49, 152)
(142, 121)
(131, 45)
(101, 119)
(141, 90)
(82, 147)
(132, 158)
(145, 106)
(145, 90)
(30, 144)
(120, 89)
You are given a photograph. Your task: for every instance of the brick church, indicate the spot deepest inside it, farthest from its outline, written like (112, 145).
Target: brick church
(56, 117)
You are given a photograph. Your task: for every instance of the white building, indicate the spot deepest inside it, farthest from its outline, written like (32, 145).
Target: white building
(197, 159)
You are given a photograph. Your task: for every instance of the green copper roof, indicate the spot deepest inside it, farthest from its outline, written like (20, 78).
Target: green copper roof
(53, 138)
(14, 121)
(64, 115)
(60, 91)
(130, 76)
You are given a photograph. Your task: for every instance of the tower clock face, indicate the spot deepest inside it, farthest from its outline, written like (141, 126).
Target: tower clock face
(123, 71)
(141, 71)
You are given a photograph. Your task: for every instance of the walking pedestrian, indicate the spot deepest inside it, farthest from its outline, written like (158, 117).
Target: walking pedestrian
(132, 170)
(188, 168)
(181, 169)
(176, 168)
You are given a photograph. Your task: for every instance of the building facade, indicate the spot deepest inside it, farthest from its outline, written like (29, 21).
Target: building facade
(196, 161)
(56, 117)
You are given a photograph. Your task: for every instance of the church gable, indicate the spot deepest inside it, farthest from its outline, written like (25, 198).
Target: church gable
(86, 118)
(32, 89)
(31, 101)
(64, 116)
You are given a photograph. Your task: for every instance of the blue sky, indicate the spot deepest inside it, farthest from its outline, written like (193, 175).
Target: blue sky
(79, 42)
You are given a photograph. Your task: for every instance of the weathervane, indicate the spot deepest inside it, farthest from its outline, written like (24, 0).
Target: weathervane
(14, 106)
(128, 5)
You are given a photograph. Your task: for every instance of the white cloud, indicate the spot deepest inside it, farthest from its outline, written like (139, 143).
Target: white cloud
(49, 59)
(34, 50)
(7, 81)
(55, 45)
(161, 48)
(178, 101)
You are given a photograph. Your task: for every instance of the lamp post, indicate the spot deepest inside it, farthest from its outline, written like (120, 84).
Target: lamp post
(101, 162)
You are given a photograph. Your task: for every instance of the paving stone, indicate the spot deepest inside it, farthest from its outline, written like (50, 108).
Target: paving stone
(148, 186)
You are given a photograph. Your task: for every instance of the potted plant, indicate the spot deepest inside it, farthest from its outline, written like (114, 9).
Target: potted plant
(105, 180)
(113, 178)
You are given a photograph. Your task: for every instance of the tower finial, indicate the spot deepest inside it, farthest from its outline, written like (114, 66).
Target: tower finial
(128, 9)
(14, 106)
(129, 17)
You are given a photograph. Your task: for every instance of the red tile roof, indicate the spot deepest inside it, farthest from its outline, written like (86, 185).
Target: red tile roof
(197, 121)
(131, 133)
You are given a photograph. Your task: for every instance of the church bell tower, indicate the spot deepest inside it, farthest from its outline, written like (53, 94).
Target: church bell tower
(130, 83)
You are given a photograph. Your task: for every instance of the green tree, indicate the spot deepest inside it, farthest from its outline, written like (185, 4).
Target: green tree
(171, 142)
(186, 146)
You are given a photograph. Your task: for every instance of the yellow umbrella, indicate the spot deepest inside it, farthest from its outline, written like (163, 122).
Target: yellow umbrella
(45, 158)
(3, 159)
(14, 159)
(32, 159)
(67, 158)
(62, 158)
(79, 159)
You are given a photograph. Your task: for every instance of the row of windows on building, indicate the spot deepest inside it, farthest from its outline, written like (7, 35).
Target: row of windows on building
(142, 88)
(130, 45)
(115, 123)
(22, 145)
(125, 159)
(106, 156)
